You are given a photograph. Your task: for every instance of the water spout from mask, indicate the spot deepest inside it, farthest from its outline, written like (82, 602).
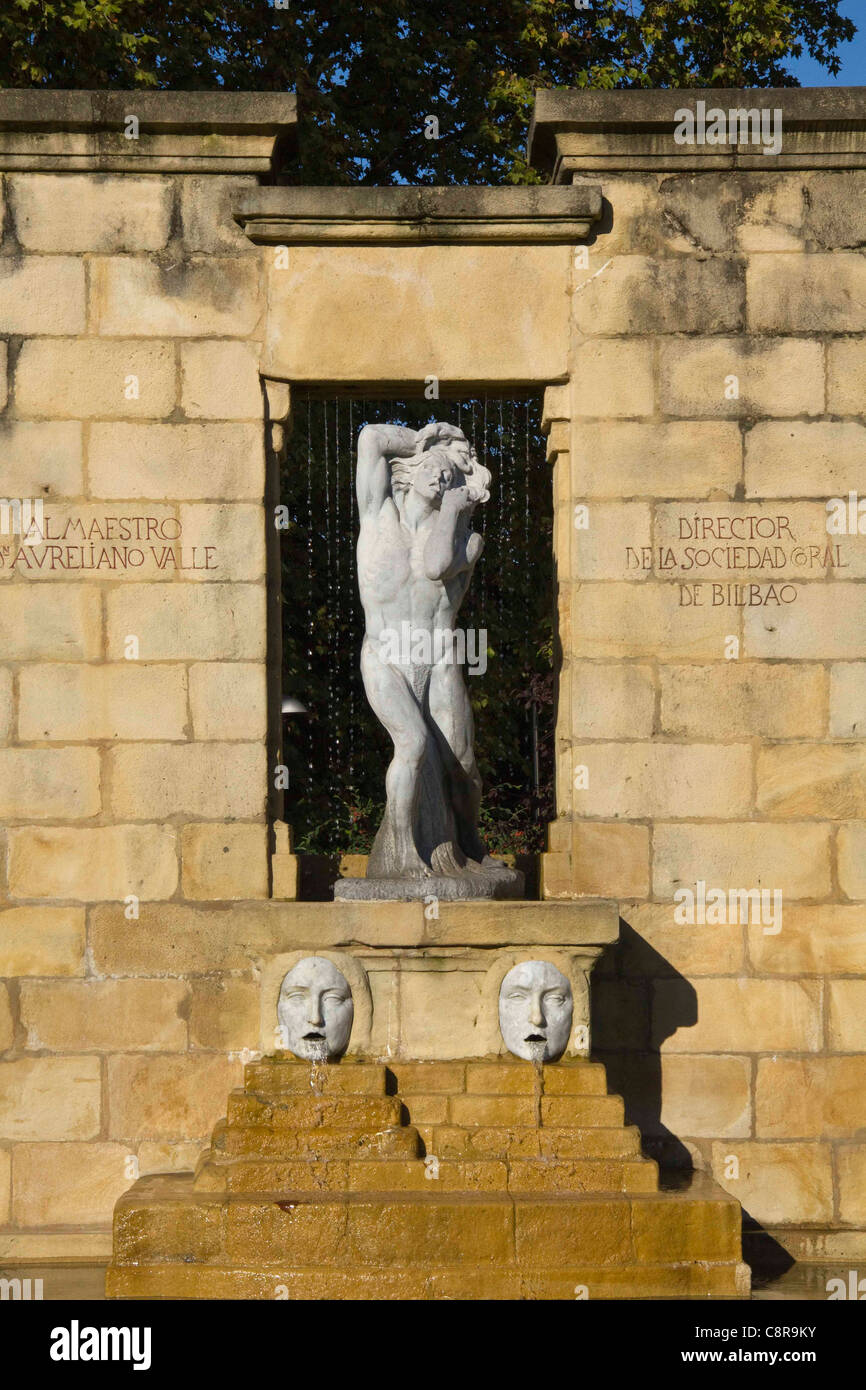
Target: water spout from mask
(537, 1050)
(318, 1054)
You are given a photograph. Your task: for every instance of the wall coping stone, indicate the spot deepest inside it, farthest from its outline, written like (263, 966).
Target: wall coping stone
(179, 132)
(576, 131)
(397, 215)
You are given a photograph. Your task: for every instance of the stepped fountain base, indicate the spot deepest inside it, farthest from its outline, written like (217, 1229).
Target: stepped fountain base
(514, 1181)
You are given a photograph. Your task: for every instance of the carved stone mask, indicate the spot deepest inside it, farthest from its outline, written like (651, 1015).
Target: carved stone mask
(535, 1011)
(315, 1010)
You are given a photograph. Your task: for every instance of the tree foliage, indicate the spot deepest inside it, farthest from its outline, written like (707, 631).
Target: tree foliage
(369, 72)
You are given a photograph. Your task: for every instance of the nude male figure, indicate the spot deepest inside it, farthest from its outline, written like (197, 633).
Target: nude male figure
(416, 554)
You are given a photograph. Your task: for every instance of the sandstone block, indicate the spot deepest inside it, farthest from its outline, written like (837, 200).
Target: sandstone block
(221, 461)
(7, 1021)
(50, 1098)
(165, 1157)
(427, 997)
(846, 375)
(705, 1096)
(49, 783)
(794, 858)
(848, 700)
(662, 1230)
(851, 1163)
(5, 1185)
(42, 294)
(80, 212)
(604, 860)
(641, 780)
(825, 940)
(41, 458)
(206, 205)
(779, 1184)
(196, 622)
(220, 380)
(826, 622)
(612, 700)
(806, 458)
(549, 1234)
(640, 294)
(6, 710)
(224, 861)
(600, 551)
(847, 1015)
(613, 379)
(216, 781)
(676, 458)
(821, 779)
(774, 377)
(628, 620)
(731, 699)
(851, 848)
(671, 948)
(814, 293)
(98, 864)
(228, 700)
(104, 1015)
(42, 941)
(235, 533)
(67, 1184)
(61, 625)
(429, 1077)
(122, 700)
(83, 377)
(224, 1014)
(810, 1098)
(167, 1097)
(742, 1015)
(201, 297)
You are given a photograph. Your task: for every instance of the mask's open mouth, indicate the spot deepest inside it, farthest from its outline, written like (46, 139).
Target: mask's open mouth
(535, 1037)
(314, 1037)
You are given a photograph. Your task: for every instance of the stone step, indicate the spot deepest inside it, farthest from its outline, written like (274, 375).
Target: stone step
(556, 1112)
(396, 1175)
(310, 1111)
(263, 1141)
(498, 1077)
(525, 1141)
(279, 1076)
(698, 1280)
(164, 1219)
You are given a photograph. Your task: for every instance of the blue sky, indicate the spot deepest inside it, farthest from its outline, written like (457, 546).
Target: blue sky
(853, 55)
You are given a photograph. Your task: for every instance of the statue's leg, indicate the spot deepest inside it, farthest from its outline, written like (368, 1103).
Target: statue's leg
(395, 853)
(453, 725)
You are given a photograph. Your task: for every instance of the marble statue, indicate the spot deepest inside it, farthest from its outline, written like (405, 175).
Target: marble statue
(416, 554)
(315, 1010)
(535, 1011)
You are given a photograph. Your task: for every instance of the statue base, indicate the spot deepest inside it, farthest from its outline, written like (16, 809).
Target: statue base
(508, 884)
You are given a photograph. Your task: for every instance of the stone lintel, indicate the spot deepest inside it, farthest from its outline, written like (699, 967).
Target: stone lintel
(178, 132)
(499, 924)
(395, 216)
(576, 132)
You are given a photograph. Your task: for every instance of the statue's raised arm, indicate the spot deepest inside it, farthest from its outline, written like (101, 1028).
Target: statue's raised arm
(377, 445)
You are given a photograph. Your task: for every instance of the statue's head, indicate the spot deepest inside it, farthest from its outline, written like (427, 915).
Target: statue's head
(443, 458)
(535, 1010)
(315, 1010)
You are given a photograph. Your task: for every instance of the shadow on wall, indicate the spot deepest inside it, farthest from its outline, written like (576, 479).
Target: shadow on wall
(631, 1019)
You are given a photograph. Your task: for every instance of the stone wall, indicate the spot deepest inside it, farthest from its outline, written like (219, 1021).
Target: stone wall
(135, 774)
(719, 372)
(133, 658)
